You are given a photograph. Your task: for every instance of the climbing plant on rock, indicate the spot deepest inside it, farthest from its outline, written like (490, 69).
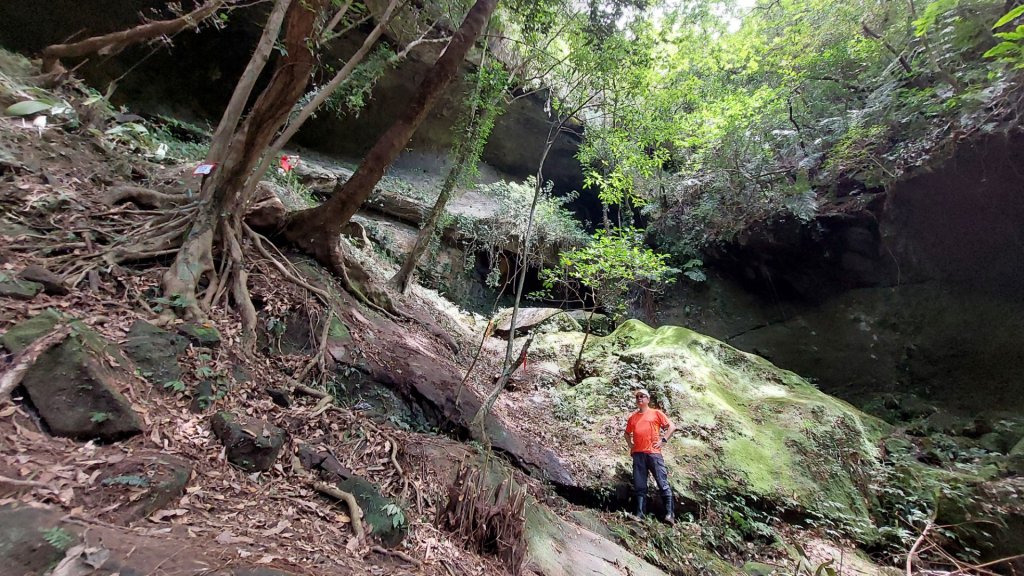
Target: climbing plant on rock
(616, 268)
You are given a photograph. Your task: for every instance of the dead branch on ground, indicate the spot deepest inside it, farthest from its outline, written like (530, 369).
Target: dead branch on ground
(12, 378)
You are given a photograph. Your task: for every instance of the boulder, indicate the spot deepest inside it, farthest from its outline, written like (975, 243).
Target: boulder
(138, 486)
(383, 515)
(555, 546)
(32, 540)
(600, 324)
(155, 352)
(745, 425)
(75, 385)
(52, 284)
(252, 445)
(19, 289)
(530, 318)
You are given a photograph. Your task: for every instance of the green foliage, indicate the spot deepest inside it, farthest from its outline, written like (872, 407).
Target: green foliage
(858, 151)
(300, 195)
(126, 480)
(206, 370)
(59, 538)
(482, 106)
(715, 121)
(615, 266)
(1011, 49)
(395, 513)
(555, 226)
(175, 385)
(352, 95)
(731, 519)
(99, 417)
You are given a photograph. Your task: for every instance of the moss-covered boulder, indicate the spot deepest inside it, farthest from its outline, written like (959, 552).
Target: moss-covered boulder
(385, 517)
(155, 353)
(532, 319)
(205, 335)
(32, 540)
(746, 427)
(555, 546)
(75, 385)
(19, 289)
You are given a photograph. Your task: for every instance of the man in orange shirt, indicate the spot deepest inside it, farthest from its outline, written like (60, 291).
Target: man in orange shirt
(644, 437)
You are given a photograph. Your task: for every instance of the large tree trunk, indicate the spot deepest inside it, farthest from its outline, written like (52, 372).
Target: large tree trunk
(317, 230)
(221, 194)
(325, 92)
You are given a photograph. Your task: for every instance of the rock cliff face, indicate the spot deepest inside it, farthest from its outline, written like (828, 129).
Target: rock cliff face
(913, 290)
(187, 81)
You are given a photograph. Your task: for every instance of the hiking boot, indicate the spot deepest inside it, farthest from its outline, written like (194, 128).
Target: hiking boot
(640, 506)
(670, 517)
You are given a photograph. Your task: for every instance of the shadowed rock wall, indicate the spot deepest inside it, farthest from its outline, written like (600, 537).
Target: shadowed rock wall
(193, 79)
(915, 290)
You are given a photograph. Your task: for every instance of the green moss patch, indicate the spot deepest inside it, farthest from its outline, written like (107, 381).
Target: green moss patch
(746, 427)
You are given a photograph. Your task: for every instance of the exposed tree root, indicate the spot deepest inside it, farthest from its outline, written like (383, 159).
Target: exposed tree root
(319, 359)
(326, 400)
(143, 197)
(240, 286)
(354, 511)
(397, 554)
(11, 378)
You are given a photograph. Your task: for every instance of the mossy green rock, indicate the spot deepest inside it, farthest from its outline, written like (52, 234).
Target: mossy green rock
(390, 529)
(745, 425)
(18, 337)
(20, 289)
(200, 334)
(74, 385)
(600, 324)
(24, 548)
(155, 352)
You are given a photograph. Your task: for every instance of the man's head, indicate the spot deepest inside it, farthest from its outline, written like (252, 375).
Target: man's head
(643, 398)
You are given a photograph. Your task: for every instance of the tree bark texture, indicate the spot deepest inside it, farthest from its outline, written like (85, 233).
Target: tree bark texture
(316, 230)
(324, 93)
(221, 191)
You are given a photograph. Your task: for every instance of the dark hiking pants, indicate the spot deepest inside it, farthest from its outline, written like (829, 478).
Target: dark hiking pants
(645, 463)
